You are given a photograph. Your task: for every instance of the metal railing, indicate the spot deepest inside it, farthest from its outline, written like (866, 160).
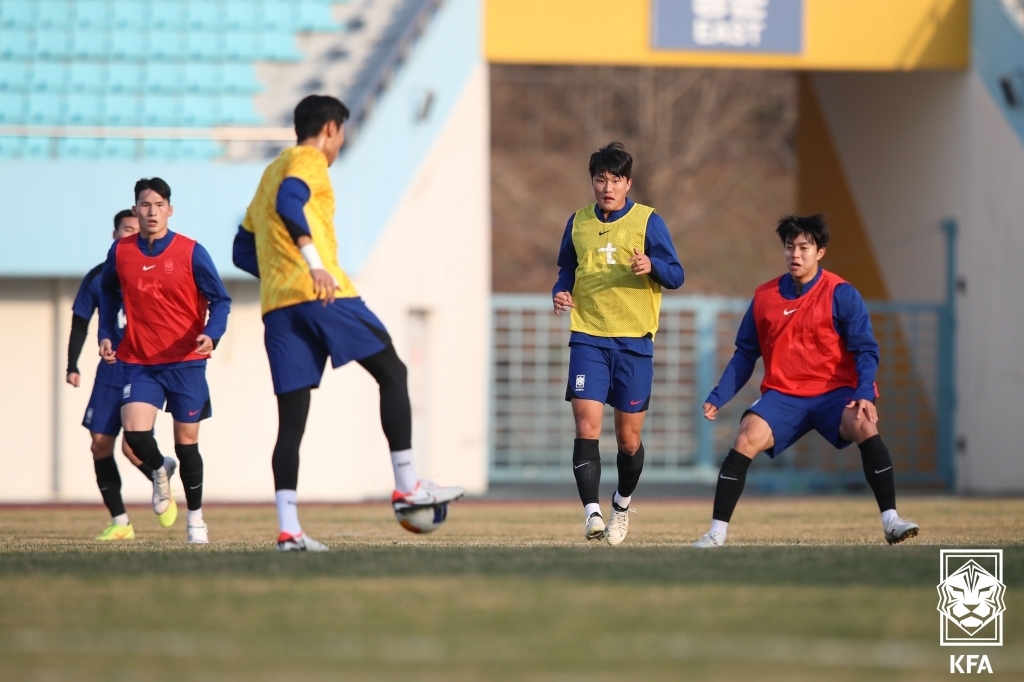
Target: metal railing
(532, 426)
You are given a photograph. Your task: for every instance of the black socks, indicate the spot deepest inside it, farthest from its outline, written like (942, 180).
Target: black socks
(629, 470)
(586, 467)
(731, 480)
(292, 410)
(143, 444)
(191, 474)
(146, 470)
(878, 472)
(109, 481)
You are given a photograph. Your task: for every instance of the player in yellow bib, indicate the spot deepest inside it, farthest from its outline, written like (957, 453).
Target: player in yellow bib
(616, 256)
(311, 311)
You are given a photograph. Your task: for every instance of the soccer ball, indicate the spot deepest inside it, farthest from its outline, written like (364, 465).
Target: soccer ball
(422, 519)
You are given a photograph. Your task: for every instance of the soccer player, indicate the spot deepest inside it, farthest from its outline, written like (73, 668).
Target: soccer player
(167, 285)
(312, 311)
(103, 415)
(820, 359)
(616, 256)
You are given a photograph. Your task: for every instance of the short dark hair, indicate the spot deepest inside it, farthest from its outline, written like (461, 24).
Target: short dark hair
(121, 215)
(155, 184)
(612, 158)
(813, 227)
(314, 111)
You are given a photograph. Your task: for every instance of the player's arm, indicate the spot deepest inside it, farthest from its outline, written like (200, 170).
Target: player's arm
(659, 260)
(110, 303)
(82, 309)
(561, 293)
(243, 251)
(210, 285)
(853, 324)
(740, 368)
(290, 204)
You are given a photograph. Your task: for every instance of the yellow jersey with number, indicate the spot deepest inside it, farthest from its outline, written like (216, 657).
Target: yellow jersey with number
(284, 275)
(609, 299)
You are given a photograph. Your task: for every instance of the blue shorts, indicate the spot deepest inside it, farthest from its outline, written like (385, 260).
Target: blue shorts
(184, 390)
(791, 417)
(103, 415)
(299, 338)
(617, 377)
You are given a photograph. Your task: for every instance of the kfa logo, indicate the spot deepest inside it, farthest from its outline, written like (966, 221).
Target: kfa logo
(581, 381)
(972, 663)
(971, 592)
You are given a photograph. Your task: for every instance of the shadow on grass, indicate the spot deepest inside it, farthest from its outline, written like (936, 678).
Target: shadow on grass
(888, 566)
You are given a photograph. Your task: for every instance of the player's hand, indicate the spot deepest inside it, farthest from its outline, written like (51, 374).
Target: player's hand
(865, 410)
(107, 351)
(640, 262)
(563, 302)
(710, 412)
(324, 285)
(204, 344)
(74, 378)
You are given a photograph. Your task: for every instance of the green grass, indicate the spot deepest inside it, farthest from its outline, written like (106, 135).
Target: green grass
(502, 592)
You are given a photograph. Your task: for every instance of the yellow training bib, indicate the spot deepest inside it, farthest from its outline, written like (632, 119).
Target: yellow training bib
(609, 299)
(284, 276)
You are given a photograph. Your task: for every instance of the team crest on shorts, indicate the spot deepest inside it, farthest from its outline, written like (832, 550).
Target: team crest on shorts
(88, 415)
(581, 381)
(127, 392)
(971, 592)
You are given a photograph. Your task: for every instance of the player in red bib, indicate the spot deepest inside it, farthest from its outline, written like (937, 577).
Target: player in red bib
(177, 310)
(820, 358)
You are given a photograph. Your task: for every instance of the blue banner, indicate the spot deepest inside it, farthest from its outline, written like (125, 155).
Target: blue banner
(731, 25)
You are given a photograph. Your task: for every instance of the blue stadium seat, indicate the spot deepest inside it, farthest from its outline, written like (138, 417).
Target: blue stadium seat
(54, 43)
(18, 13)
(203, 14)
(165, 150)
(315, 17)
(10, 147)
(91, 14)
(202, 77)
(15, 43)
(236, 109)
(165, 45)
(15, 75)
(78, 148)
(121, 110)
(89, 43)
(280, 47)
(198, 110)
(54, 14)
(198, 150)
(203, 45)
(124, 77)
(163, 77)
(242, 15)
(167, 15)
(160, 110)
(88, 76)
(240, 78)
(244, 45)
(46, 108)
(12, 107)
(49, 76)
(127, 14)
(84, 109)
(127, 44)
(114, 148)
(37, 147)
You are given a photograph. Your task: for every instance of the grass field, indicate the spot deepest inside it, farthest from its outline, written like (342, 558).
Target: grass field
(807, 590)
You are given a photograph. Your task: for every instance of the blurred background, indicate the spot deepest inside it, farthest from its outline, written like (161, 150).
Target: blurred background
(473, 121)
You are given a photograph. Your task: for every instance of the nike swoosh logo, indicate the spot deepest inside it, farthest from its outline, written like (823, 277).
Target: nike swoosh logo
(581, 465)
(878, 471)
(148, 267)
(194, 413)
(601, 233)
(729, 478)
(790, 312)
(195, 486)
(635, 402)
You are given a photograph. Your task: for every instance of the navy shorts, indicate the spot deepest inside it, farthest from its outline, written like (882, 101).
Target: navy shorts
(184, 390)
(617, 377)
(103, 415)
(299, 338)
(791, 417)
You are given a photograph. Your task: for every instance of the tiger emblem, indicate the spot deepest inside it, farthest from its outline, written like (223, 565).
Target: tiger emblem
(971, 597)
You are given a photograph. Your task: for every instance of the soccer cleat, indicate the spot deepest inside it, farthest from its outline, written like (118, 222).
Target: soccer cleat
(286, 542)
(169, 516)
(593, 527)
(618, 525)
(426, 494)
(710, 539)
(899, 530)
(162, 486)
(198, 534)
(116, 531)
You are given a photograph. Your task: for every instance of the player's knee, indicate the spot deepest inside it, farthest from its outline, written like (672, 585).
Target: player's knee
(628, 443)
(750, 442)
(861, 430)
(101, 450)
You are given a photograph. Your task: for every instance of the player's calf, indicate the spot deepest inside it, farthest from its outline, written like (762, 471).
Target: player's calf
(192, 479)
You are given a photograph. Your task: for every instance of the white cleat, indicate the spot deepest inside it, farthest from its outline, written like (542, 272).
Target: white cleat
(593, 527)
(426, 494)
(710, 539)
(162, 485)
(618, 525)
(286, 542)
(899, 530)
(198, 534)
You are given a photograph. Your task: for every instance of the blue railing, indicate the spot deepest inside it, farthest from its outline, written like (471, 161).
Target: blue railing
(532, 427)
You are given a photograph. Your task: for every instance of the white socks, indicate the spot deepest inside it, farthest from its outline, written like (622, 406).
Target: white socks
(194, 517)
(120, 520)
(288, 512)
(720, 527)
(589, 509)
(887, 516)
(405, 470)
(622, 502)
